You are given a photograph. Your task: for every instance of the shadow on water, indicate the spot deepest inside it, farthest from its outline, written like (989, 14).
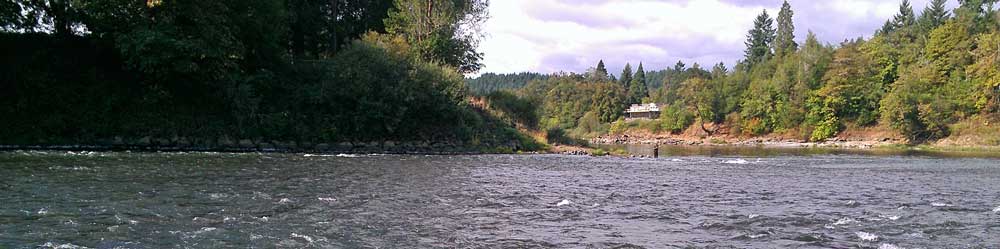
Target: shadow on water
(649, 150)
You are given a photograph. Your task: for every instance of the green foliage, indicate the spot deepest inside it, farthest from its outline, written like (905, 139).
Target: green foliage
(637, 90)
(784, 42)
(259, 70)
(567, 98)
(852, 92)
(985, 72)
(828, 127)
(310, 71)
(441, 30)
(934, 15)
(626, 77)
(618, 127)
(599, 73)
(514, 108)
(674, 119)
(905, 17)
(759, 40)
(607, 99)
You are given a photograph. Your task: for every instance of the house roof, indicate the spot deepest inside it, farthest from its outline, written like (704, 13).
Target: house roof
(651, 107)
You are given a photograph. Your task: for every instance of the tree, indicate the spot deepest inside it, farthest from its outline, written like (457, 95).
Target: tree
(815, 58)
(949, 46)
(784, 42)
(759, 40)
(626, 78)
(600, 72)
(851, 93)
(607, 99)
(905, 17)
(61, 15)
(986, 72)
(441, 30)
(10, 15)
(933, 16)
(638, 89)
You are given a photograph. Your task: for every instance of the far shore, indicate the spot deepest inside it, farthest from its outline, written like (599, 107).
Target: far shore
(775, 142)
(851, 143)
(595, 147)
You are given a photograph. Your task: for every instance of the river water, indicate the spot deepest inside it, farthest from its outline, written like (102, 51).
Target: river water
(216, 200)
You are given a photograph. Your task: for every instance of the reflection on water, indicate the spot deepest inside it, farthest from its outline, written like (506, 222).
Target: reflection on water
(213, 200)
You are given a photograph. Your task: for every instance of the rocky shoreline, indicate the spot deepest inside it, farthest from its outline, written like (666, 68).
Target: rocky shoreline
(778, 142)
(245, 146)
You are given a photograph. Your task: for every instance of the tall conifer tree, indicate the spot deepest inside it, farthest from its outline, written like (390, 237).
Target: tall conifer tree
(626, 78)
(905, 17)
(601, 72)
(784, 43)
(933, 16)
(759, 39)
(638, 90)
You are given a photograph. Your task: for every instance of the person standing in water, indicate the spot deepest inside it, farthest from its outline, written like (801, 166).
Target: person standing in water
(656, 150)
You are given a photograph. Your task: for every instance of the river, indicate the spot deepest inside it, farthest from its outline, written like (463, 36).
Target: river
(687, 200)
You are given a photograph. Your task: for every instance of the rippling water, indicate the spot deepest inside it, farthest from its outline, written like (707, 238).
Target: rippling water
(208, 200)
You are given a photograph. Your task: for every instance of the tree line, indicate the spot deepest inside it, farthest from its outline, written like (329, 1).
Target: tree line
(309, 71)
(917, 75)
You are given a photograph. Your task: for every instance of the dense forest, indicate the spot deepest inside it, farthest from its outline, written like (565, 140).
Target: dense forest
(208, 73)
(918, 75)
(306, 72)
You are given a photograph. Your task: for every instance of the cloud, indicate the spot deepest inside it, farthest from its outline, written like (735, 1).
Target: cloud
(572, 35)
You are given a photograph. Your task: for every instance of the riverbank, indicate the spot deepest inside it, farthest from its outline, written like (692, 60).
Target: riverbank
(767, 141)
(777, 142)
(246, 146)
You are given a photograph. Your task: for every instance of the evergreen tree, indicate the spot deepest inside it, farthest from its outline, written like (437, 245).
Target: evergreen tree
(887, 28)
(679, 66)
(979, 14)
(638, 90)
(905, 17)
(933, 16)
(759, 39)
(600, 72)
(626, 78)
(784, 43)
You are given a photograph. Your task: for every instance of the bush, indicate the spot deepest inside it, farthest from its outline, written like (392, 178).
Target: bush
(825, 129)
(674, 119)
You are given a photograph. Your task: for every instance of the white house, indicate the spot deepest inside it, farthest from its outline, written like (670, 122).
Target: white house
(643, 111)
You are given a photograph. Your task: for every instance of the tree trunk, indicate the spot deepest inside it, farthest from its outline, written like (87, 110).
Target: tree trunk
(710, 132)
(59, 9)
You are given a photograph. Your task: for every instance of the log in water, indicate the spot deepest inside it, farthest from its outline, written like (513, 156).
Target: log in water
(212, 200)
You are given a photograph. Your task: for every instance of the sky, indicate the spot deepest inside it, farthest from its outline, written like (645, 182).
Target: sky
(572, 35)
